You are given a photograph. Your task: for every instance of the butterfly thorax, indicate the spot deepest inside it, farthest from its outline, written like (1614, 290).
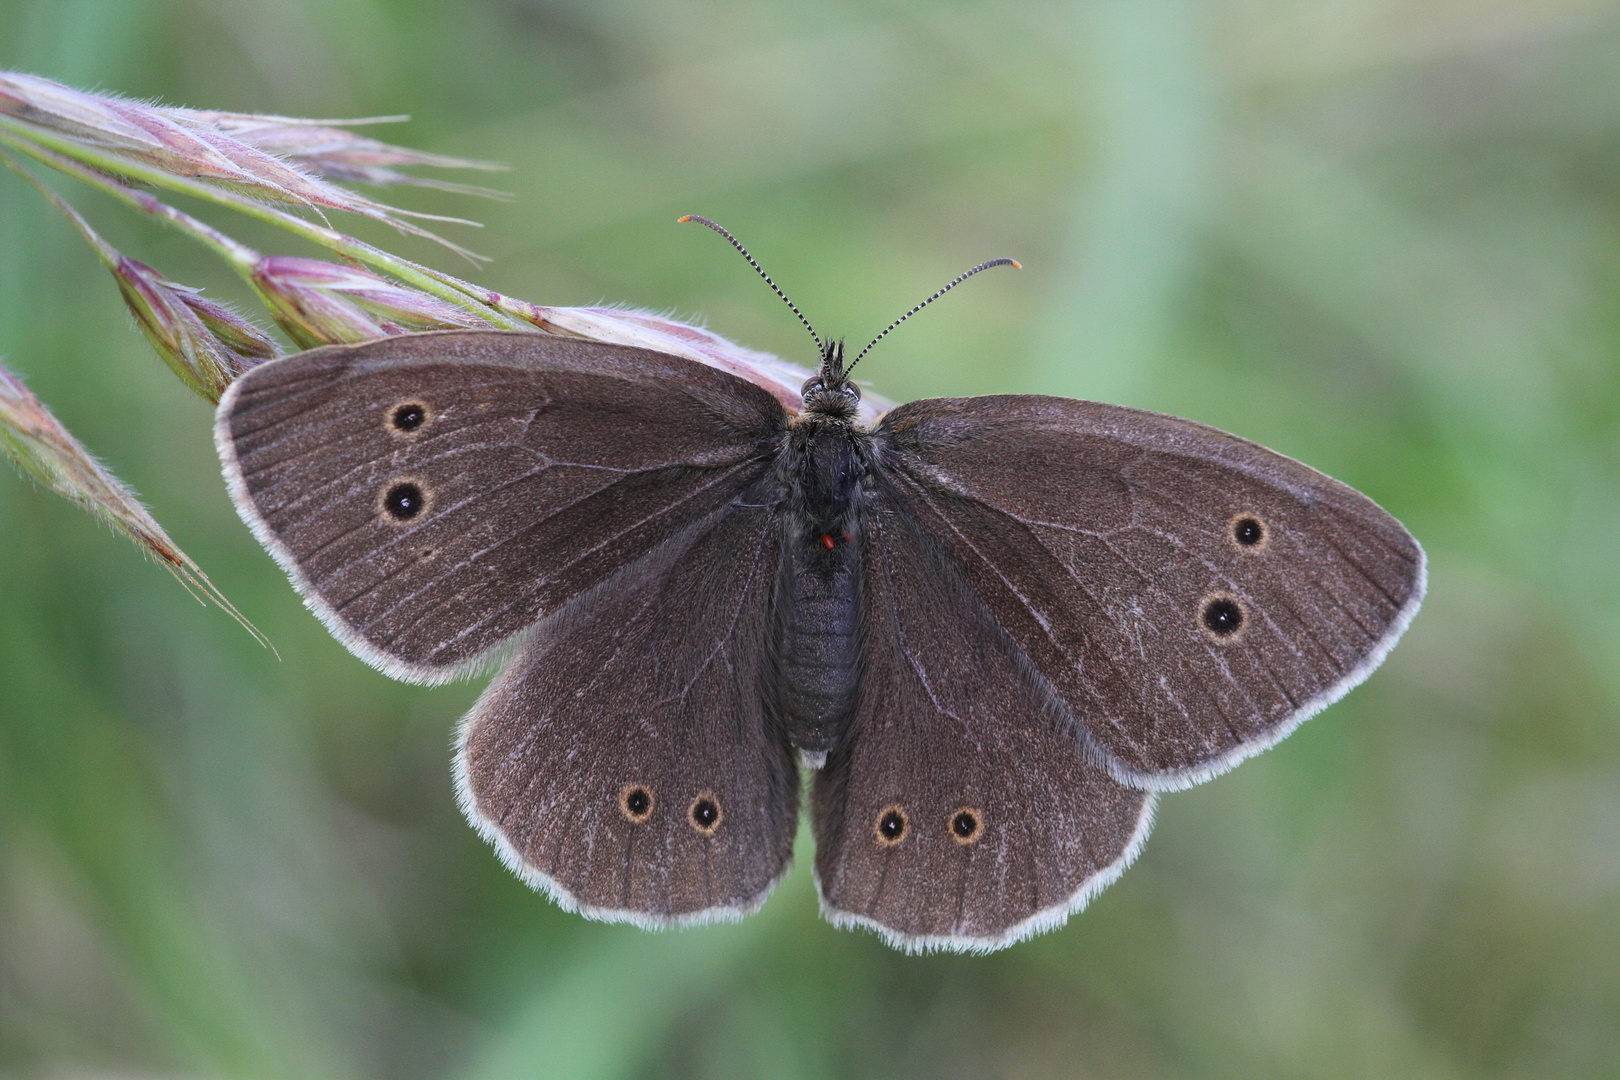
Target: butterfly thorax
(822, 467)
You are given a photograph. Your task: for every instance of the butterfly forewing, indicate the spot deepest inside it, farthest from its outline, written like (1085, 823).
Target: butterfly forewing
(625, 761)
(1190, 596)
(433, 495)
(960, 811)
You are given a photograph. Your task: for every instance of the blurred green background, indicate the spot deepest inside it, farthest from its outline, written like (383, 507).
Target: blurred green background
(1382, 236)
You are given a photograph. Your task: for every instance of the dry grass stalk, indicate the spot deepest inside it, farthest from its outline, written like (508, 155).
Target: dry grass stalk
(273, 169)
(43, 450)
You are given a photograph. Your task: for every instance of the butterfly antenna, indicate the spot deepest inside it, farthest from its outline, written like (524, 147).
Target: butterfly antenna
(738, 245)
(1014, 263)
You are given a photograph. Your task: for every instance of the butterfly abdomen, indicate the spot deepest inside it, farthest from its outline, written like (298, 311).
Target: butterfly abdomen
(818, 597)
(819, 643)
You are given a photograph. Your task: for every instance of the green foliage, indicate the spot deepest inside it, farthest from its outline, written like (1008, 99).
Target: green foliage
(1382, 238)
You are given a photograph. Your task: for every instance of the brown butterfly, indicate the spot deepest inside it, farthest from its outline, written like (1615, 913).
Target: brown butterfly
(992, 627)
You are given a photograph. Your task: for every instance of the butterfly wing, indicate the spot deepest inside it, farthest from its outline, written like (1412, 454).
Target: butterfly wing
(432, 495)
(960, 811)
(624, 762)
(1190, 596)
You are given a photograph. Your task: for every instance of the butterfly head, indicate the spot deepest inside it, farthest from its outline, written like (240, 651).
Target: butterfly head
(830, 393)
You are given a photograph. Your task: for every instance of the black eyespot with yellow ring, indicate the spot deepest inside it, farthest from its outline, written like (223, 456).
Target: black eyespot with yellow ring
(892, 826)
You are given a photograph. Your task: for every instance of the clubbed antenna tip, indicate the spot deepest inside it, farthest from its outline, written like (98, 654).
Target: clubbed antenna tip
(683, 219)
(953, 283)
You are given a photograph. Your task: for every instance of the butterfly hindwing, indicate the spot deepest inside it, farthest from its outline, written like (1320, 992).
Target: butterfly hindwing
(1190, 596)
(960, 811)
(432, 495)
(624, 762)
